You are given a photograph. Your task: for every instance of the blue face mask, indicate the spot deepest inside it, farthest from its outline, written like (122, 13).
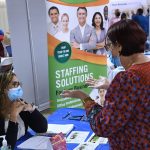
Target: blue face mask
(15, 93)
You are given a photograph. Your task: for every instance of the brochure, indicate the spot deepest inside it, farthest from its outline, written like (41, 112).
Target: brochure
(92, 143)
(97, 140)
(86, 146)
(36, 143)
(57, 128)
(77, 136)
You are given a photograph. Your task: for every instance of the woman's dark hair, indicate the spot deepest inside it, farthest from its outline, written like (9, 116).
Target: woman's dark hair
(117, 13)
(84, 8)
(5, 79)
(93, 20)
(129, 35)
(140, 11)
(123, 16)
(53, 7)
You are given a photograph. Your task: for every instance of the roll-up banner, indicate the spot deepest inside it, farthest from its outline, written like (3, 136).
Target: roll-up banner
(75, 48)
(71, 48)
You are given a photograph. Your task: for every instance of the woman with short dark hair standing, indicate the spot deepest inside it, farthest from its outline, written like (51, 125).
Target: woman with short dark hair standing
(125, 117)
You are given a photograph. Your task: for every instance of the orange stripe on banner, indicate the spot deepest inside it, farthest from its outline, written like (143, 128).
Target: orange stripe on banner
(88, 4)
(76, 53)
(88, 57)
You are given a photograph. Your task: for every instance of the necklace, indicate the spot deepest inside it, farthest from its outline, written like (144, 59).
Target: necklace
(130, 64)
(138, 62)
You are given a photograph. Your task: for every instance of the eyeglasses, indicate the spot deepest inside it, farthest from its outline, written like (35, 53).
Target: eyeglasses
(16, 84)
(108, 45)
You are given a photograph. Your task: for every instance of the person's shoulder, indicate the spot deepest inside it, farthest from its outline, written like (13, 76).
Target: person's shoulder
(50, 24)
(127, 76)
(59, 33)
(89, 27)
(103, 31)
(117, 70)
(75, 29)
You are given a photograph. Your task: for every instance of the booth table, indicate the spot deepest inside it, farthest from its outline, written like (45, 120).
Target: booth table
(63, 116)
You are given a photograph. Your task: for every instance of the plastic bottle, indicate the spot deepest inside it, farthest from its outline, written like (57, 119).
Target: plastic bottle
(4, 144)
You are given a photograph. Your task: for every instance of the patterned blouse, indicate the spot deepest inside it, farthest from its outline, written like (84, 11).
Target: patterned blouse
(125, 117)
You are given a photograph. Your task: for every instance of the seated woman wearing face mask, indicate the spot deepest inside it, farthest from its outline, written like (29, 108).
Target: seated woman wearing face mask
(15, 114)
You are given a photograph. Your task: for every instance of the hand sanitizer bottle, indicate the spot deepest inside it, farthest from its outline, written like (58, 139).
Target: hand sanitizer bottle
(4, 144)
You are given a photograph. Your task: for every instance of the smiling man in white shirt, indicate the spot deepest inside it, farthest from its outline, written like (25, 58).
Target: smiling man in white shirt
(83, 36)
(54, 26)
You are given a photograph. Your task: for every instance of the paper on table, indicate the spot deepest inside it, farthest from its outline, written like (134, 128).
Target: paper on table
(77, 136)
(92, 143)
(36, 143)
(86, 146)
(97, 140)
(57, 128)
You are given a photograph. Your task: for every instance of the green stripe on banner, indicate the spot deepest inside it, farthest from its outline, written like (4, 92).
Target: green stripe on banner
(70, 76)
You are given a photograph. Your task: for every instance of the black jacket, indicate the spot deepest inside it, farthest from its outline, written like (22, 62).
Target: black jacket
(35, 120)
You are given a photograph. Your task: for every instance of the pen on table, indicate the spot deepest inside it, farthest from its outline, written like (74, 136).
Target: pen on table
(76, 117)
(68, 113)
(82, 117)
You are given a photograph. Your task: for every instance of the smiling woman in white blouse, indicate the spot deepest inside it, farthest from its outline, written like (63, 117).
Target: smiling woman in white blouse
(64, 34)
